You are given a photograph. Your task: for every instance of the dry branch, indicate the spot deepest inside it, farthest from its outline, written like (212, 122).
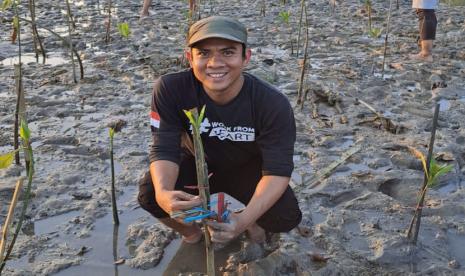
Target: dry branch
(9, 218)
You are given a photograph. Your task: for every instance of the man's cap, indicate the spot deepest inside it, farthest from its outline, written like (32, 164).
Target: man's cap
(219, 27)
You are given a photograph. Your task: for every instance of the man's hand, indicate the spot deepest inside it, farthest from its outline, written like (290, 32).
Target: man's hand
(171, 201)
(223, 232)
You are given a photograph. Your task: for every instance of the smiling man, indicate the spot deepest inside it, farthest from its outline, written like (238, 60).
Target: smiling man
(248, 135)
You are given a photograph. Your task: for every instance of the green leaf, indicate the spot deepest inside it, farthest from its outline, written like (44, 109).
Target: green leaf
(284, 15)
(190, 117)
(375, 32)
(111, 132)
(124, 30)
(7, 159)
(437, 171)
(202, 114)
(6, 4)
(16, 22)
(24, 131)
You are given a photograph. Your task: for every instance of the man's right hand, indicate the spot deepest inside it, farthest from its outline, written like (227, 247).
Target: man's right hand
(172, 201)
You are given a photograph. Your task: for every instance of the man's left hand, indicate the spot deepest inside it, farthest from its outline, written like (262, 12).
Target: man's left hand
(223, 232)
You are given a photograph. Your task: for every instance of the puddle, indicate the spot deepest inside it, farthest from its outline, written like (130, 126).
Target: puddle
(318, 217)
(444, 105)
(456, 245)
(100, 259)
(30, 57)
(348, 141)
(53, 224)
(386, 76)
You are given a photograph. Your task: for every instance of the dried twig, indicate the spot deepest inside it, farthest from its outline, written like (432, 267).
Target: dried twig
(386, 123)
(9, 218)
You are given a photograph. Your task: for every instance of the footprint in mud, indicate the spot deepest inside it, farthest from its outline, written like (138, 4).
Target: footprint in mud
(402, 189)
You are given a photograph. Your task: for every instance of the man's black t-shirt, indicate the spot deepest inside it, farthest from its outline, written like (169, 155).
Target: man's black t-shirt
(256, 126)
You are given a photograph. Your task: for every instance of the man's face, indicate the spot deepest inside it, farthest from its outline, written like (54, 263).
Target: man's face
(218, 63)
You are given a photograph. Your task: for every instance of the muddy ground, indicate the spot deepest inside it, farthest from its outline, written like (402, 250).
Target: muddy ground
(356, 217)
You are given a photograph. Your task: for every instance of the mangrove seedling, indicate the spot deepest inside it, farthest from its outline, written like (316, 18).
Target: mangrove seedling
(386, 38)
(432, 174)
(284, 16)
(107, 33)
(114, 127)
(202, 179)
(25, 135)
(375, 32)
(16, 35)
(70, 22)
(368, 10)
(113, 192)
(124, 30)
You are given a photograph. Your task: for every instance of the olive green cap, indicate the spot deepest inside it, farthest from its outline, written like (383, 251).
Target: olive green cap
(219, 27)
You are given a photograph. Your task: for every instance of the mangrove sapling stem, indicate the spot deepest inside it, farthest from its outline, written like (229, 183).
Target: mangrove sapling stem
(386, 38)
(25, 135)
(70, 15)
(70, 38)
(20, 106)
(368, 4)
(115, 247)
(414, 228)
(300, 98)
(35, 33)
(302, 3)
(202, 180)
(9, 218)
(17, 26)
(107, 35)
(113, 192)
(66, 42)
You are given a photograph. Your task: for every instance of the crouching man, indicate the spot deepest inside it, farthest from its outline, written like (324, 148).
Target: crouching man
(248, 135)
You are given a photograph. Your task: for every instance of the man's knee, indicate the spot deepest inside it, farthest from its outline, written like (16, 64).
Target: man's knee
(146, 197)
(283, 216)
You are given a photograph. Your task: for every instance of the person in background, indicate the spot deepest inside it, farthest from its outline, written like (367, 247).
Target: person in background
(145, 8)
(427, 28)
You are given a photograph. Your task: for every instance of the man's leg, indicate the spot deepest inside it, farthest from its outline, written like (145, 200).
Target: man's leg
(427, 27)
(145, 8)
(191, 232)
(283, 216)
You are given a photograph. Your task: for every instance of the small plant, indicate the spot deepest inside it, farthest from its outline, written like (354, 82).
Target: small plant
(124, 29)
(114, 127)
(434, 171)
(284, 16)
(432, 174)
(375, 32)
(368, 6)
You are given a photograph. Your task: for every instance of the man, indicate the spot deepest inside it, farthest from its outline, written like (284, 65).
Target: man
(248, 135)
(427, 28)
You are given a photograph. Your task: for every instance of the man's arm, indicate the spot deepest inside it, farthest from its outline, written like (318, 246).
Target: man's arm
(164, 175)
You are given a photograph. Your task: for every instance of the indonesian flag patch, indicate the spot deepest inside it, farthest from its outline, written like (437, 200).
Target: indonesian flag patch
(154, 119)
